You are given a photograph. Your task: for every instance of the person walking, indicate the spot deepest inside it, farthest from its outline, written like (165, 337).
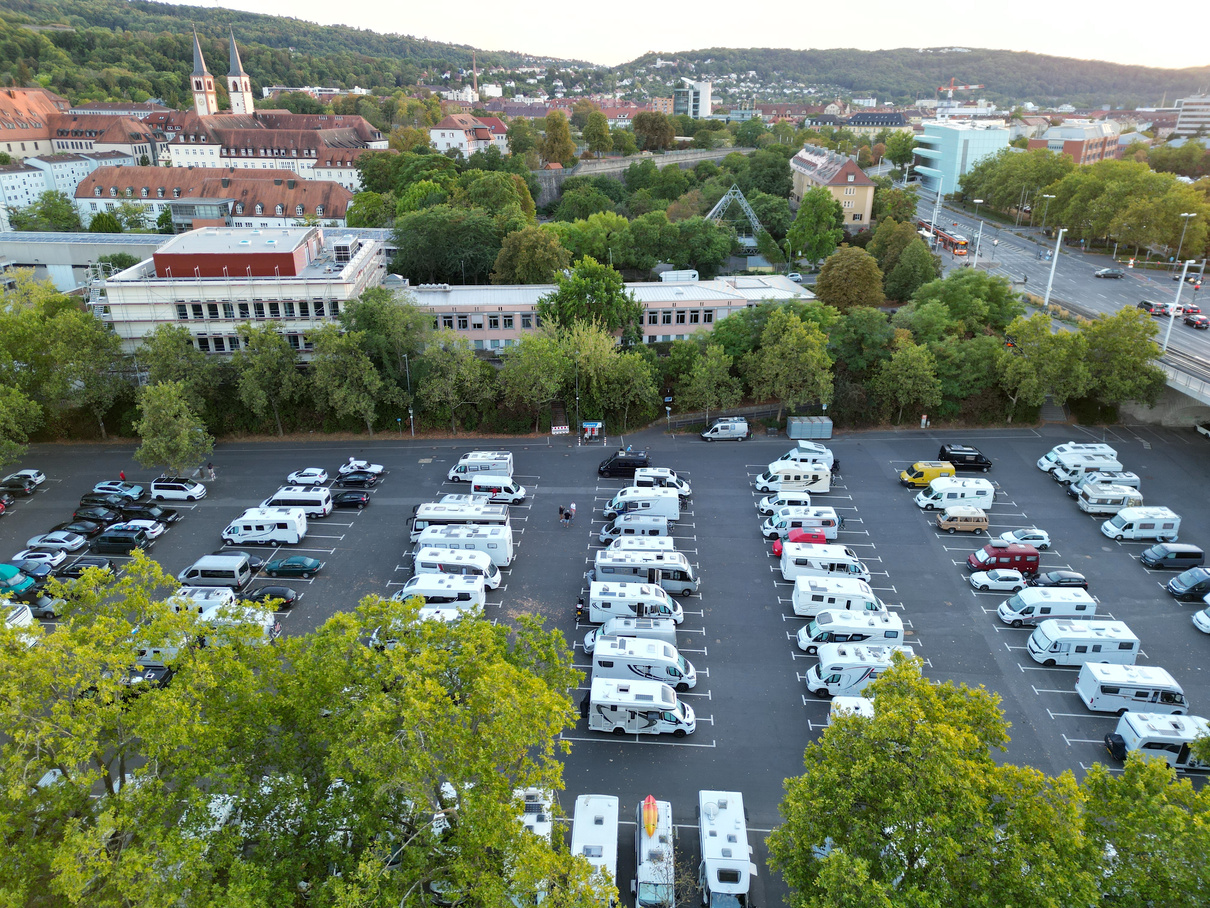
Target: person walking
(571, 513)
(210, 470)
(122, 475)
(562, 515)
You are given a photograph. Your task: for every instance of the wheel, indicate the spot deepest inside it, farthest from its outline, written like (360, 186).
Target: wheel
(709, 439)
(686, 591)
(930, 507)
(812, 650)
(742, 438)
(619, 730)
(361, 507)
(981, 586)
(228, 542)
(273, 573)
(1043, 548)
(190, 498)
(1049, 663)
(306, 575)
(822, 693)
(985, 469)
(158, 497)
(679, 733)
(951, 531)
(681, 688)
(1017, 623)
(1122, 712)
(1117, 538)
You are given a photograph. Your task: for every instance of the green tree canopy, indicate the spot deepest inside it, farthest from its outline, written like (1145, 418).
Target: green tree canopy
(533, 373)
(792, 364)
(817, 229)
(710, 385)
(532, 255)
(173, 438)
(556, 145)
(850, 277)
(652, 130)
(53, 211)
(104, 222)
(915, 268)
(454, 377)
(593, 292)
(343, 377)
(266, 369)
(596, 133)
(1121, 350)
(446, 244)
(909, 379)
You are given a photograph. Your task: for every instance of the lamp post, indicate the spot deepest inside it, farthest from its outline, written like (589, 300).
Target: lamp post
(1045, 208)
(412, 421)
(407, 370)
(578, 433)
(1181, 244)
(978, 241)
(1053, 262)
(1176, 304)
(668, 411)
(978, 202)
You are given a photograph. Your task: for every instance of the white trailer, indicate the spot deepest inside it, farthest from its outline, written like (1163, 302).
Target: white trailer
(627, 600)
(946, 491)
(805, 559)
(664, 503)
(469, 464)
(882, 628)
(814, 594)
(1160, 524)
(637, 707)
(668, 570)
(726, 870)
(642, 628)
(267, 526)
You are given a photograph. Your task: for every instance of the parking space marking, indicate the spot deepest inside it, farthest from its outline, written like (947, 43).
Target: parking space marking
(640, 739)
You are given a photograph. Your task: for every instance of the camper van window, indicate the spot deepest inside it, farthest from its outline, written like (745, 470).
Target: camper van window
(728, 876)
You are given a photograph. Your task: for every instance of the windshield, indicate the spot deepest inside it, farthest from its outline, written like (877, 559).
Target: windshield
(983, 557)
(1041, 641)
(1051, 457)
(725, 900)
(651, 895)
(1014, 603)
(812, 629)
(680, 661)
(1117, 521)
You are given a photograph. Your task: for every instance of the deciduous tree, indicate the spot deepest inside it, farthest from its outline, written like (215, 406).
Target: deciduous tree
(653, 130)
(1041, 363)
(393, 328)
(266, 369)
(909, 377)
(52, 211)
(1120, 355)
(168, 354)
(19, 416)
(446, 244)
(850, 277)
(532, 255)
(629, 386)
(899, 147)
(343, 377)
(792, 364)
(915, 268)
(593, 292)
(861, 339)
(817, 229)
(556, 145)
(173, 437)
(710, 385)
(454, 377)
(88, 364)
(533, 373)
(596, 134)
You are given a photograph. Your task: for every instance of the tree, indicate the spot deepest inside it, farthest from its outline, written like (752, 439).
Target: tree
(370, 209)
(104, 222)
(163, 223)
(533, 373)
(817, 229)
(131, 214)
(701, 245)
(915, 268)
(581, 111)
(909, 377)
(750, 132)
(408, 138)
(1041, 363)
(504, 195)
(850, 277)
(88, 361)
(532, 255)
(118, 261)
(596, 134)
(266, 369)
(52, 211)
(19, 416)
(899, 147)
(446, 244)
(912, 804)
(343, 378)
(1121, 350)
(792, 363)
(652, 130)
(888, 242)
(168, 354)
(975, 299)
(630, 384)
(768, 171)
(711, 386)
(454, 376)
(392, 330)
(557, 146)
(899, 204)
(581, 203)
(173, 437)
(773, 213)
(522, 137)
(861, 339)
(593, 292)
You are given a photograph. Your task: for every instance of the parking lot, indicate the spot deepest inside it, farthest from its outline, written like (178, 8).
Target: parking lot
(755, 715)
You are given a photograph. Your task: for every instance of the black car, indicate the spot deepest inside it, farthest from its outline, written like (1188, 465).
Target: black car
(264, 593)
(1059, 578)
(359, 479)
(35, 569)
(6, 499)
(350, 500)
(1109, 272)
(1197, 321)
(77, 567)
(98, 514)
(93, 499)
(150, 512)
(18, 485)
(86, 528)
(255, 562)
(44, 606)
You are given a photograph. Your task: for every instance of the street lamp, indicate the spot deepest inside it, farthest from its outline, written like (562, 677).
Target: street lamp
(412, 421)
(1181, 244)
(1054, 261)
(578, 433)
(1045, 208)
(978, 202)
(1176, 304)
(668, 411)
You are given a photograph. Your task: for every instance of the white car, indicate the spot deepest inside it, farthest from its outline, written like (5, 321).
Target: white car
(1201, 620)
(1039, 539)
(352, 466)
(51, 558)
(311, 476)
(153, 528)
(1004, 579)
(58, 540)
(36, 476)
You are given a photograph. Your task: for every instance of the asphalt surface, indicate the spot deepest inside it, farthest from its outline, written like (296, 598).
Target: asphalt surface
(755, 716)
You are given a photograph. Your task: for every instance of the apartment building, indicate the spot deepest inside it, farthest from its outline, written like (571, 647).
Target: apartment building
(840, 175)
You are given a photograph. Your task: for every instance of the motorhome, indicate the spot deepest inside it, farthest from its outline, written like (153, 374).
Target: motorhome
(882, 628)
(1070, 467)
(851, 706)
(497, 542)
(726, 869)
(662, 629)
(316, 501)
(1160, 524)
(627, 658)
(1117, 478)
(771, 503)
(1035, 604)
(219, 609)
(810, 452)
(788, 518)
(1046, 463)
(921, 473)
(664, 503)
(669, 570)
(655, 855)
(1106, 498)
(1130, 688)
(594, 833)
(499, 462)
(643, 544)
(627, 600)
(1159, 735)
(799, 559)
(634, 526)
(1067, 641)
(436, 514)
(845, 669)
(946, 492)
(638, 708)
(661, 478)
(497, 488)
(791, 476)
(462, 593)
(813, 595)
(452, 561)
(267, 526)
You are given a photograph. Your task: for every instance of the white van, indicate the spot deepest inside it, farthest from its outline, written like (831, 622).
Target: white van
(729, 429)
(945, 491)
(664, 503)
(1071, 467)
(643, 544)
(803, 559)
(1047, 461)
(1107, 498)
(726, 869)
(845, 669)
(790, 476)
(234, 571)
(1157, 735)
(267, 526)
(468, 465)
(1160, 524)
(627, 600)
(637, 707)
(176, 488)
(627, 658)
(1130, 688)
(883, 628)
(594, 833)
(452, 561)
(655, 858)
(851, 706)
(773, 503)
(496, 542)
(810, 452)
(197, 599)
(661, 478)
(634, 526)
(814, 594)
(1064, 641)
(669, 570)
(463, 593)
(497, 488)
(1035, 604)
(790, 518)
(662, 629)
(316, 501)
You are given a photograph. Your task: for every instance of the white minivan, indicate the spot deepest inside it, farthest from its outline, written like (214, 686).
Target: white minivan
(497, 488)
(176, 488)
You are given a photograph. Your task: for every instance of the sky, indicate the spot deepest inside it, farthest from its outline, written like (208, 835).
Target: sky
(621, 30)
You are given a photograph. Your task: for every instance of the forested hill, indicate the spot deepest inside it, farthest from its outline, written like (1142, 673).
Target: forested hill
(906, 74)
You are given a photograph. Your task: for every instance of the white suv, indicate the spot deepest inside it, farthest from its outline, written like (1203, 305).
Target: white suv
(176, 488)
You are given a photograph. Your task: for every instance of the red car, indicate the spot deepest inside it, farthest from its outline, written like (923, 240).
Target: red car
(815, 536)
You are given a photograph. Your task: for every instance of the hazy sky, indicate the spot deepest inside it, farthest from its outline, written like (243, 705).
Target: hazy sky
(615, 32)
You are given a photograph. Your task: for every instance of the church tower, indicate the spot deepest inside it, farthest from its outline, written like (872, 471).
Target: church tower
(239, 84)
(205, 101)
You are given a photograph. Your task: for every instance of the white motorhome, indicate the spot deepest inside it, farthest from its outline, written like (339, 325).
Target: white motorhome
(643, 544)
(882, 628)
(726, 869)
(790, 518)
(814, 594)
(316, 501)
(655, 858)
(594, 833)
(1130, 688)
(267, 526)
(627, 600)
(1117, 478)
(637, 707)
(1160, 524)
(1035, 604)
(1063, 641)
(479, 513)
(453, 561)
(810, 452)
(851, 706)
(1107, 498)
(1158, 735)
(669, 570)
(845, 669)
(497, 488)
(221, 609)
(945, 491)
(661, 478)
(662, 629)
(791, 476)
(664, 503)
(469, 464)
(497, 542)
(463, 593)
(804, 559)
(1070, 467)
(628, 658)
(1047, 461)
(772, 503)
(634, 525)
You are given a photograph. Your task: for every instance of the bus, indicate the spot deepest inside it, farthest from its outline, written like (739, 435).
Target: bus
(946, 239)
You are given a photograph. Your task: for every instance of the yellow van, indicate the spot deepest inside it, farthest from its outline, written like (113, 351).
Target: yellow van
(964, 517)
(921, 473)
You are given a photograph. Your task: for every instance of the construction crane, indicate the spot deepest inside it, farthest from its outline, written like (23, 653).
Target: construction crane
(951, 88)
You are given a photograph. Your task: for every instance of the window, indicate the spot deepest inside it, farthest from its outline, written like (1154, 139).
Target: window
(229, 310)
(292, 339)
(182, 311)
(274, 310)
(680, 317)
(334, 308)
(694, 317)
(527, 321)
(508, 323)
(144, 192)
(848, 203)
(279, 210)
(707, 317)
(478, 343)
(858, 217)
(463, 322)
(851, 178)
(304, 311)
(666, 317)
(243, 311)
(477, 322)
(219, 345)
(288, 308)
(159, 193)
(203, 344)
(298, 210)
(176, 193)
(319, 211)
(494, 344)
(850, 190)
(653, 318)
(319, 309)
(260, 208)
(96, 190)
(447, 321)
(212, 310)
(232, 342)
(258, 309)
(239, 207)
(493, 322)
(196, 310)
(113, 192)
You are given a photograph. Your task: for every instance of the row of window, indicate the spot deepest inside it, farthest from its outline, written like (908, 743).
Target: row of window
(261, 309)
(683, 316)
(474, 322)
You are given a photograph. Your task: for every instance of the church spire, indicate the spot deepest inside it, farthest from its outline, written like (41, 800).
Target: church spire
(237, 68)
(199, 62)
(205, 101)
(239, 84)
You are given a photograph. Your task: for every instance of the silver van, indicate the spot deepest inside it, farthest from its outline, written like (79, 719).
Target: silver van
(732, 428)
(234, 571)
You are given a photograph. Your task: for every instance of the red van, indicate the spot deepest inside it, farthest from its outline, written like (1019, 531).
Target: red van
(999, 554)
(800, 535)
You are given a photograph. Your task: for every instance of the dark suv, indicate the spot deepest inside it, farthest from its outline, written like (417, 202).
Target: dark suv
(623, 463)
(1153, 308)
(964, 457)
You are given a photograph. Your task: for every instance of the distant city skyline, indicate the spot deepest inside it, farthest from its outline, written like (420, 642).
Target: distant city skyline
(625, 29)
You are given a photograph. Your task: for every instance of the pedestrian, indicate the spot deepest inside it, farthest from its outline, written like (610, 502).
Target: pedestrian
(122, 475)
(571, 513)
(562, 514)
(210, 469)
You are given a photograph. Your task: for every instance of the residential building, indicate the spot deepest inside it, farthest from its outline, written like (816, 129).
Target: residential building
(1087, 142)
(137, 109)
(660, 105)
(469, 134)
(1193, 116)
(840, 175)
(21, 184)
(949, 148)
(25, 117)
(692, 99)
(77, 133)
(868, 124)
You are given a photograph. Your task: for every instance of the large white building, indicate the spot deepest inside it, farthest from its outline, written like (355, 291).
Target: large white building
(947, 149)
(693, 99)
(1193, 116)
(21, 184)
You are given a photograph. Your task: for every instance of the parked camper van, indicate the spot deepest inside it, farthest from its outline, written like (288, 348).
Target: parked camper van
(813, 595)
(1065, 641)
(638, 708)
(669, 570)
(497, 488)
(477, 514)
(726, 869)
(661, 629)
(219, 609)
(730, 430)
(446, 591)
(661, 478)
(964, 457)
(1172, 556)
(634, 525)
(807, 560)
(786, 519)
(664, 503)
(1046, 463)
(1106, 498)
(962, 517)
(1115, 477)
(497, 542)
(638, 543)
(944, 492)
(882, 628)
(1068, 468)
(810, 452)
(999, 555)
(267, 526)
(452, 561)
(1130, 688)
(1158, 735)
(922, 472)
(791, 476)
(1160, 524)
(655, 857)
(627, 600)
(845, 669)
(627, 658)
(852, 706)
(498, 462)
(1190, 586)
(1035, 604)
(315, 501)
(778, 500)
(594, 833)
(234, 571)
